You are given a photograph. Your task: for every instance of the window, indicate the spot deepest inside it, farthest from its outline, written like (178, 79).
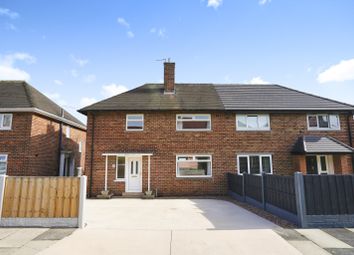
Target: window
(193, 122)
(254, 164)
(3, 164)
(67, 133)
(323, 121)
(135, 122)
(80, 146)
(5, 121)
(193, 166)
(252, 122)
(120, 168)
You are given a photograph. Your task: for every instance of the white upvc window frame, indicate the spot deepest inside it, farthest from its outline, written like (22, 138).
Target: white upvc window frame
(6, 161)
(238, 128)
(118, 179)
(329, 163)
(318, 128)
(127, 120)
(2, 116)
(67, 132)
(193, 115)
(260, 162)
(194, 160)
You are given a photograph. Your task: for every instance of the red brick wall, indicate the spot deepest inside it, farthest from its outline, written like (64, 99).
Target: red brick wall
(223, 143)
(15, 143)
(32, 145)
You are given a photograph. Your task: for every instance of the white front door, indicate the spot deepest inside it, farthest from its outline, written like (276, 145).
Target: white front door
(134, 174)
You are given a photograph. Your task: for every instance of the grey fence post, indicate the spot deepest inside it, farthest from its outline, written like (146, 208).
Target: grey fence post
(300, 199)
(263, 192)
(2, 191)
(243, 188)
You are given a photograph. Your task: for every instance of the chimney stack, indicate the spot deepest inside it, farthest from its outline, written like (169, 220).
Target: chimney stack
(169, 77)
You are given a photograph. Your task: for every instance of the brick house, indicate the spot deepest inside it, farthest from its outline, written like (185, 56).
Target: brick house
(181, 139)
(37, 137)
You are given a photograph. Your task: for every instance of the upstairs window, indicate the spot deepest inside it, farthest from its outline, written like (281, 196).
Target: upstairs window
(3, 164)
(5, 121)
(254, 164)
(193, 122)
(135, 122)
(193, 166)
(67, 132)
(323, 122)
(253, 122)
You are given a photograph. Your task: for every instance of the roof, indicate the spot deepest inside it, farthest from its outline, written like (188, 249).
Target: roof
(320, 144)
(217, 97)
(21, 97)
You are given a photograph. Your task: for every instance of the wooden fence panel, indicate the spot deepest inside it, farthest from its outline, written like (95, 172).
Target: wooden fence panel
(329, 195)
(253, 186)
(280, 192)
(235, 183)
(41, 197)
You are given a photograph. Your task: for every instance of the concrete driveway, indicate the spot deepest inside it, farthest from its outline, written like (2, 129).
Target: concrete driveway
(171, 226)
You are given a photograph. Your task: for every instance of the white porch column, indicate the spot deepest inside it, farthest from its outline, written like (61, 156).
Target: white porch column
(148, 172)
(105, 174)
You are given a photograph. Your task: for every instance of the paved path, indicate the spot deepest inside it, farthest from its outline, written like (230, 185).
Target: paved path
(174, 226)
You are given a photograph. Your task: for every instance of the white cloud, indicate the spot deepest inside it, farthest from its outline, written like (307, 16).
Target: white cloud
(58, 82)
(263, 2)
(130, 34)
(8, 13)
(121, 21)
(343, 71)
(257, 80)
(74, 73)
(56, 97)
(89, 78)
(9, 26)
(80, 61)
(8, 71)
(113, 89)
(214, 3)
(85, 101)
(160, 32)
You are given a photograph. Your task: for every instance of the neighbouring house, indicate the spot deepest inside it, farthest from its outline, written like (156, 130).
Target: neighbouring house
(182, 139)
(37, 137)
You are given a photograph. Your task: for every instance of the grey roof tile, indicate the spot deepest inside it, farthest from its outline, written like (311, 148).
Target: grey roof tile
(320, 144)
(19, 94)
(217, 97)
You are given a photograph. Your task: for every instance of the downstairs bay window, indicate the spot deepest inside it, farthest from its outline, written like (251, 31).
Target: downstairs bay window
(193, 166)
(254, 164)
(3, 164)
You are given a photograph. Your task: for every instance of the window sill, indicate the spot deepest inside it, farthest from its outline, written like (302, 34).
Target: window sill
(322, 129)
(194, 177)
(194, 130)
(253, 130)
(5, 129)
(119, 180)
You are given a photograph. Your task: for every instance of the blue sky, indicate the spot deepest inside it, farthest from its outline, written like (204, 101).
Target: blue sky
(78, 52)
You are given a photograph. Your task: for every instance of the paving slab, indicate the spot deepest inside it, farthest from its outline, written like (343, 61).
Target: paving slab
(7, 251)
(351, 229)
(289, 234)
(229, 242)
(4, 232)
(341, 251)
(113, 242)
(40, 244)
(21, 237)
(322, 239)
(55, 234)
(308, 248)
(342, 234)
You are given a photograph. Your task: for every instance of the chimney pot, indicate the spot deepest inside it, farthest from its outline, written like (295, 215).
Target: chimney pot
(169, 77)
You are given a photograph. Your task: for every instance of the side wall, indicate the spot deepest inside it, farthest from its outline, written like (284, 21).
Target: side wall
(77, 136)
(223, 143)
(16, 143)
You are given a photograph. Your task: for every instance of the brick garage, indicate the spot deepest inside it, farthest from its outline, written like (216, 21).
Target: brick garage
(223, 143)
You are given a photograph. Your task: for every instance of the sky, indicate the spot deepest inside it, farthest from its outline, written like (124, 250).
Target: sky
(80, 52)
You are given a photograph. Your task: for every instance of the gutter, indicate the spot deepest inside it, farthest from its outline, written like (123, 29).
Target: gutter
(44, 113)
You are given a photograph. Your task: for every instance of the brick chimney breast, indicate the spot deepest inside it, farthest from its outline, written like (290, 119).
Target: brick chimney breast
(169, 77)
